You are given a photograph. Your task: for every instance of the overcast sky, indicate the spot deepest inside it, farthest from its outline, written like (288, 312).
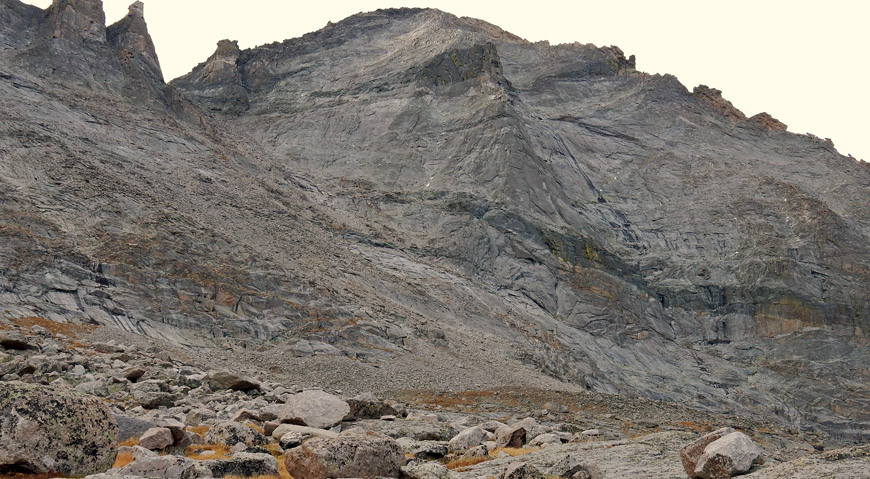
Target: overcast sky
(803, 62)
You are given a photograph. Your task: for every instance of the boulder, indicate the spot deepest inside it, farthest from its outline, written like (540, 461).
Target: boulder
(426, 470)
(165, 467)
(49, 430)
(133, 374)
(244, 464)
(306, 431)
(571, 467)
(232, 433)
(156, 439)
(291, 440)
(520, 470)
(247, 415)
(15, 340)
(354, 453)
(154, 400)
(175, 426)
(690, 453)
(731, 455)
(466, 439)
(227, 380)
(544, 440)
(424, 450)
(131, 427)
(367, 406)
(314, 408)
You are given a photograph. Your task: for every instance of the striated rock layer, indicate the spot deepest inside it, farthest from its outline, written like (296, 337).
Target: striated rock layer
(410, 189)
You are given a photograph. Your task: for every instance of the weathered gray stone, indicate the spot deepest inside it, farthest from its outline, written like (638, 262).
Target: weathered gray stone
(314, 408)
(691, 453)
(468, 438)
(306, 431)
(730, 455)
(47, 430)
(227, 380)
(231, 433)
(426, 470)
(354, 453)
(166, 467)
(156, 439)
(244, 464)
(571, 466)
(520, 470)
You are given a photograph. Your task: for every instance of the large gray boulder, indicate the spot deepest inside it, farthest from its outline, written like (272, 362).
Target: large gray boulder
(731, 455)
(520, 470)
(314, 408)
(156, 439)
(165, 467)
(470, 437)
(232, 433)
(691, 453)
(244, 464)
(227, 380)
(305, 431)
(426, 470)
(354, 453)
(50, 430)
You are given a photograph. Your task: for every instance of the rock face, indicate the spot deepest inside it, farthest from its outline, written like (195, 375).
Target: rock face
(314, 408)
(405, 191)
(46, 430)
(354, 453)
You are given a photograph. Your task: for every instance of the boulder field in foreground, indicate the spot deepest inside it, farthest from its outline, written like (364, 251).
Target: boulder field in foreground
(48, 430)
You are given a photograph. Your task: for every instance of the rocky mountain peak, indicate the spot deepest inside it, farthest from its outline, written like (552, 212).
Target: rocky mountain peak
(131, 38)
(78, 20)
(219, 80)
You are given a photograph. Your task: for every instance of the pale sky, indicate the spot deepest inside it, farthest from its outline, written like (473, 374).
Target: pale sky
(803, 62)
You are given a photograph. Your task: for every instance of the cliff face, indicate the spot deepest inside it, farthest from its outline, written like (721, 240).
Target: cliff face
(407, 185)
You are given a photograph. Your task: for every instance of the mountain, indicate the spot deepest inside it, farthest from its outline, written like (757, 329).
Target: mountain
(406, 199)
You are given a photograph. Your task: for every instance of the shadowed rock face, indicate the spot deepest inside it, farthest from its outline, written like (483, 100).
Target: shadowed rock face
(406, 183)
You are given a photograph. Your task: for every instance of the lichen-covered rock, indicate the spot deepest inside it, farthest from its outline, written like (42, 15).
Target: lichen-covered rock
(232, 433)
(367, 406)
(165, 467)
(572, 467)
(49, 430)
(520, 470)
(469, 437)
(244, 464)
(354, 453)
(691, 453)
(728, 456)
(314, 408)
(227, 380)
(156, 438)
(426, 470)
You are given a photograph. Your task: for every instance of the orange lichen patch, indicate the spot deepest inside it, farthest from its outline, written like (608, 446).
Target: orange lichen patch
(123, 459)
(130, 442)
(67, 329)
(466, 462)
(204, 452)
(201, 430)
